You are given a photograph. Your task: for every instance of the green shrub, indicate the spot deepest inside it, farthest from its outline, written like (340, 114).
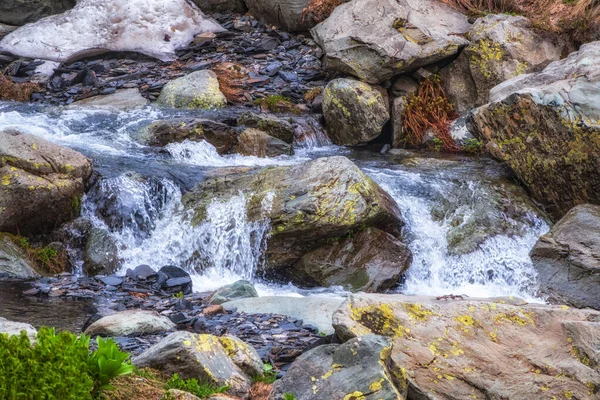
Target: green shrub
(58, 366)
(289, 396)
(200, 389)
(107, 363)
(54, 369)
(472, 146)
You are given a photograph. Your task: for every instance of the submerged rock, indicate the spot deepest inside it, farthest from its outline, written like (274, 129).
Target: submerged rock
(237, 290)
(152, 27)
(131, 322)
(545, 126)
(370, 261)
(14, 260)
(253, 142)
(355, 112)
(41, 183)
(461, 347)
(356, 369)
(567, 259)
(199, 89)
(306, 204)
(220, 361)
(20, 12)
(502, 47)
(375, 40)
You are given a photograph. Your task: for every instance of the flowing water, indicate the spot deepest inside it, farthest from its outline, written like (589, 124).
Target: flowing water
(470, 230)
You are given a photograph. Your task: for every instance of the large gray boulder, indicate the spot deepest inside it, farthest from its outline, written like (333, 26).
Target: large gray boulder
(152, 27)
(254, 142)
(41, 184)
(130, 322)
(355, 112)
(14, 328)
(356, 369)
(485, 348)
(199, 89)
(377, 39)
(502, 47)
(567, 258)
(306, 204)
(370, 261)
(220, 361)
(14, 260)
(281, 128)
(21, 12)
(237, 290)
(161, 133)
(287, 14)
(546, 127)
(101, 253)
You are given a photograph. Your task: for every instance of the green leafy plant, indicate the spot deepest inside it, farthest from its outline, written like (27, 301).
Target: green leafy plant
(289, 396)
(269, 375)
(193, 386)
(178, 295)
(107, 363)
(472, 146)
(55, 368)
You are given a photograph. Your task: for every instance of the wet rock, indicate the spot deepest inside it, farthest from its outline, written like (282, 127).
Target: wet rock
(370, 261)
(221, 6)
(253, 142)
(355, 112)
(355, 369)
(309, 203)
(545, 127)
(131, 322)
(174, 280)
(460, 347)
(14, 328)
(92, 28)
(311, 310)
(123, 100)
(199, 90)
(21, 12)
(161, 133)
(218, 361)
(286, 14)
(567, 258)
(101, 253)
(142, 272)
(5, 30)
(237, 290)
(280, 128)
(41, 183)
(13, 259)
(375, 40)
(502, 47)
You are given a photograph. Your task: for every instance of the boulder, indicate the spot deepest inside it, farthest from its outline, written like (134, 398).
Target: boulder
(174, 280)
(21, 12)
(355, 112)
(375, 40)
(237, 290)
(356, 369)
(485, 348)
(122, 100)
(502, 47)
(225, 361)
(15, 328)
(101, 253)
(567, 258)
(306, 204)
(370, 261)
(253, 142)
(6, 29)
(281, 128)
(546, 127)
(152, 27)
(313, 310)
(221, 6)
(41, 184)
(287, 14)
(130, 322)
(220, 135)
(199, 89)
(13, 259)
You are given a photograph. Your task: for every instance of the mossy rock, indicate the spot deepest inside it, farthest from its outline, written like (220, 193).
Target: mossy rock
(198, 90)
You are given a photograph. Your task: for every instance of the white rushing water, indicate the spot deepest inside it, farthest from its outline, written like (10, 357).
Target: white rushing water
(141, 208)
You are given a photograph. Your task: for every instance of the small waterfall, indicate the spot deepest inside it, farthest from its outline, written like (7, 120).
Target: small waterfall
(146, 219)
(500, 266)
